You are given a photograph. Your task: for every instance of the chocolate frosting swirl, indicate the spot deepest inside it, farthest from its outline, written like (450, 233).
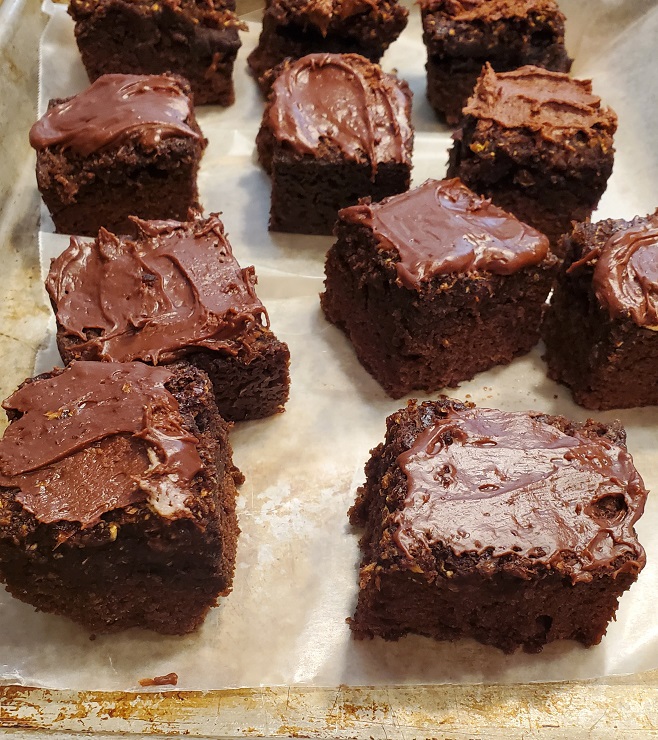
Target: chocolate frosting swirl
(341, 102)
(97, 437)
(625, 277)
(117, 108)
(175, 288)
(551, 103)
(485, 480)
(443, 227)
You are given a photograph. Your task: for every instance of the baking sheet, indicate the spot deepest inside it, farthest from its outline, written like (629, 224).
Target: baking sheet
(296, 574)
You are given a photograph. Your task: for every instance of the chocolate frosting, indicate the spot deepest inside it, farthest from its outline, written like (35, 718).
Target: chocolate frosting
(97, 437)
(486, 480)
(532, 98)
(320, 13)
(492, 10)
(341, 102)
(115, 109)
(442, 227)
(175, 288)
(625, 277)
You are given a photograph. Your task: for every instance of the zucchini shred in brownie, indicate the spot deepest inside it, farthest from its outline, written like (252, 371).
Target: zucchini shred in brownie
(117, 496)
(514, 529)
(435, 285)
(175, 291)
(129, 145)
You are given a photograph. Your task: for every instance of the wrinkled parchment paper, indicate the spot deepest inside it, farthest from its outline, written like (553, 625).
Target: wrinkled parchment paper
(296, 574)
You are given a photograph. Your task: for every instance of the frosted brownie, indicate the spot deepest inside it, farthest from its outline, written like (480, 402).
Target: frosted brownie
(436, 285)
(539, 144)
(197, 40)
(129, 145)
(335, 129)
(462, 35)
(117, 493)
(294, 28)
(514, 529)
(173, 292)
(601, 331)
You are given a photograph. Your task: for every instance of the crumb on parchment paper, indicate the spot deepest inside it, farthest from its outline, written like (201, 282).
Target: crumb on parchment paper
(171, 679)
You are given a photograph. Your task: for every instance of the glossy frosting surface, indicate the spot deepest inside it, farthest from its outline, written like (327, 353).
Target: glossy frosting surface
(532, 98)
(115, 109)
(483, 479)
(175, 288)
(98, 437)
(341, 102)
(442, 227)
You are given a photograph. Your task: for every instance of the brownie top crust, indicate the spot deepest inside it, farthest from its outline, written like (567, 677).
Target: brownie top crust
(116, 109)
(443, 227)
(512, 484)
(174, 288)
(625, 275)
(549, 103)
(341, 103)
(491, 10)
(319, 13)
(96, 437)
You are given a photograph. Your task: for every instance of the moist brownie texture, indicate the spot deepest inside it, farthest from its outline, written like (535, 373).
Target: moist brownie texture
(336, 129)
(117, 494)
(129, 145)
(539, 144)
(515, 529)
(175, 291)
(462, 35)
(601, 331)
(294, 28)
(198, 40)
(436, 285)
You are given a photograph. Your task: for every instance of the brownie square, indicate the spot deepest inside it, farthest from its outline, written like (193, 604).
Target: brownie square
(335, 129)
(514, 529)
(118, 497)
(294, 28)
(436, 285)
(174, 291)
(462, 35)
(601, 331)
(129, 145)
(539, 144)
(198, 40)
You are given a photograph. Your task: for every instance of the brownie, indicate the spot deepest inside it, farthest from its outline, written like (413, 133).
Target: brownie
(117, 492)
(294, 28)
(436, 285)
(336, 129)
(539, 144)
(129, 145)
(462, 35)
(601, 331)
(174, 291)
(198, 40)
(514, 529)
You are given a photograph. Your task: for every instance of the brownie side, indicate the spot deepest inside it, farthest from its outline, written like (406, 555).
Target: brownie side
(198, 41)
(453, 327)
(607, 363)
(135, 567)
(457, 48)
(288, 33)
(509, 602)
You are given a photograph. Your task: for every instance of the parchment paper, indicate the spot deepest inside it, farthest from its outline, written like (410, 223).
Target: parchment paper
(296, 574)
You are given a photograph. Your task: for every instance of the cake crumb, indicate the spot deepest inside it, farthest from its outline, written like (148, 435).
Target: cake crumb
(171, 679)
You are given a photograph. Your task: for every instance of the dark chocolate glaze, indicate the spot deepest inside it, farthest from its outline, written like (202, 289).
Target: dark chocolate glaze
(551, 103)
(175, 288)
(442, 227)
(625, 277)
(117, 108)
(97, 437)
(487, 480)
(343, 102)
